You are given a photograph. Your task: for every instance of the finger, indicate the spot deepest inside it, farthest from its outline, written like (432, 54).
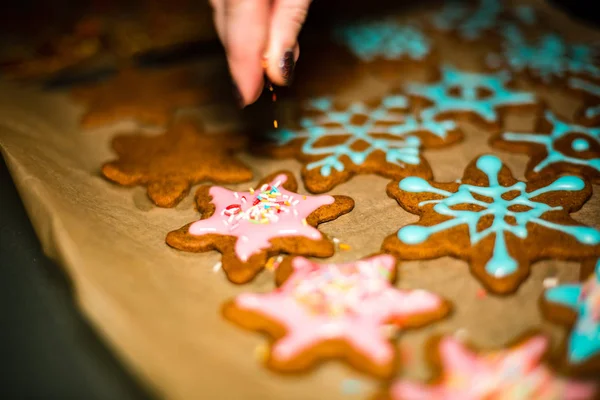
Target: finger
(282, 50)
(219, 18)
(245, 39)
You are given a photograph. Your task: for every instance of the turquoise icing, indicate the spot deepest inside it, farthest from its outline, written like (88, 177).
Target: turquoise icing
(467, 99)
(403, 148)
(580, 144)
(584, 299)
(456, 16)
(386, 39)
(594, 90)
(551, 57)
(501, 262)
(559, 130)
(525, 14)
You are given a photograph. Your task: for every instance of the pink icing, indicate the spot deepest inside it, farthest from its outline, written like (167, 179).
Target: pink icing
(258, 216)
(504, 375)
(339, 301)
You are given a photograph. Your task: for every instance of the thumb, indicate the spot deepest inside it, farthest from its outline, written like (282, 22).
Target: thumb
(282, 50)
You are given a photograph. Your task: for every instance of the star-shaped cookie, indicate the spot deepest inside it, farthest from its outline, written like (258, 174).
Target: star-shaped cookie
(514, 373)
(578, 305)
(338, 141)
(497, 224)
(170, 163)
(324, 311)
(249, 227)
(556, 147)
(147, 96)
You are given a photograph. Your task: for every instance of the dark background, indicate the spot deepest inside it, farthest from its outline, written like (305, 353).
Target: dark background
(47, 350)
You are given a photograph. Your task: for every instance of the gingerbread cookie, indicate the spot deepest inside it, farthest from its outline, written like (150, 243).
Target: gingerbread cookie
(335, 143)
(589, 115)
(325, 311)
(170, 163)
(515, 373)
(578, 305)
(481, 97)
(497, 224)
(469, 23)
(548, 58)
(387, 46)
(148, 96)
(556, 147)
(249, 227)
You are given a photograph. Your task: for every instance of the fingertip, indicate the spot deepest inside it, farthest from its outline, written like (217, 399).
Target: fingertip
(280, 69)
(247, 87)
(246, 31)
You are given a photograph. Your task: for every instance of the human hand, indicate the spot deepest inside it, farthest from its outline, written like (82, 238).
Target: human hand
(259, 36)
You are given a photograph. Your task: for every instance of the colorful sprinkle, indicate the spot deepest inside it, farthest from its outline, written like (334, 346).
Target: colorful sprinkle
(217, 267)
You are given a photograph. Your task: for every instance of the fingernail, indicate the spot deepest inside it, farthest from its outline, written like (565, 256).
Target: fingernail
(237, 95)
(287, 65)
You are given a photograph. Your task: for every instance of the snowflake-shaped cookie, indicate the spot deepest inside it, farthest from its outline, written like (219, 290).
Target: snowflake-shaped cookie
(249, 227)
(579, 306)
(387, 39)
(336, 144)
(469, 24)
(549, 58)
(515, 373)
(496, 223)
(590, 113)
(460, 93)
(147, 96)
(335, 310)
(558, 147)
(170, 163)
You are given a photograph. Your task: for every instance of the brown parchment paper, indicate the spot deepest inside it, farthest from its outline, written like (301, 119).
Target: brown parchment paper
(159, 309)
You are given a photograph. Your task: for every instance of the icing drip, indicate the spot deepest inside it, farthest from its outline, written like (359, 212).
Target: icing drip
(402, 148)
(501, 263)
(350, 302)
(511, 374)
(467, 98)
(559, 130)
(385, 39)
(256, 217)
(594, 90)
(584, 299)
(551, 57)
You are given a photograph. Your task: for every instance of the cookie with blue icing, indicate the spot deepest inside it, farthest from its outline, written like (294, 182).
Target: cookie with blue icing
(336, 141)
(589, 113)
(387, 47)
(556, 147)
(577, 305)
(497, 224)
(483, 98)
(547, 58)
(472, 21)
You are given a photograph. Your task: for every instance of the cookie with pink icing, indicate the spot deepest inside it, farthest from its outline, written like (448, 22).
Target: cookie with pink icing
(514, 373)
(325, 311)
(249, 227)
